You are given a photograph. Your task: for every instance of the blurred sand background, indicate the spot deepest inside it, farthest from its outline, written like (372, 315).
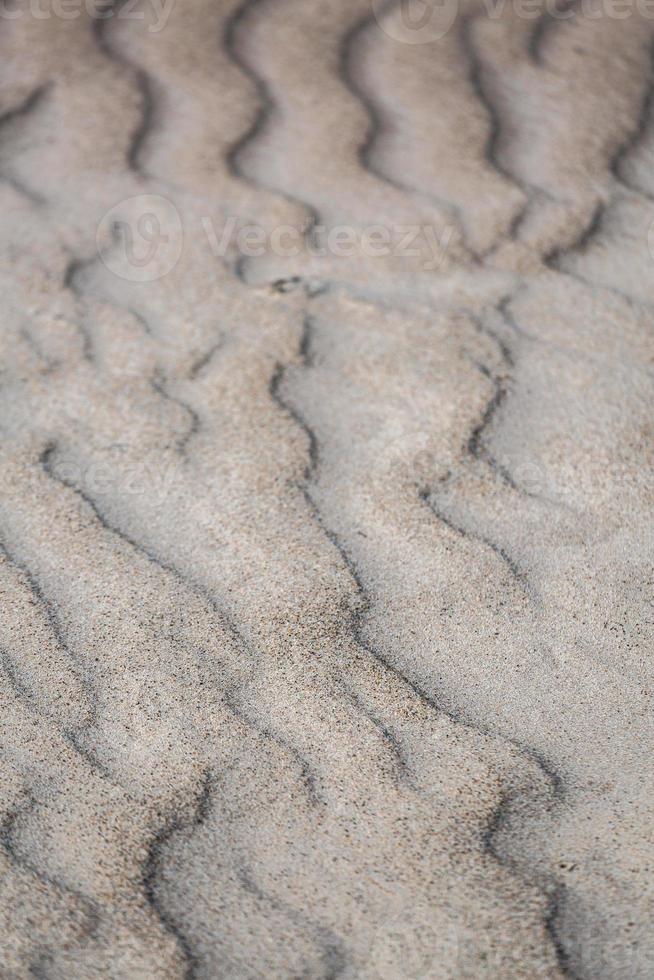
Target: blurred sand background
(326, 622)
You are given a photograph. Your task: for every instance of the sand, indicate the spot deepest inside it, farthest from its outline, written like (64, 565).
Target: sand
(326, 468)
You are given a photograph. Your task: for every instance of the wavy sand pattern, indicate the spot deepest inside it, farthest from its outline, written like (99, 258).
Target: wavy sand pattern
(326, 620)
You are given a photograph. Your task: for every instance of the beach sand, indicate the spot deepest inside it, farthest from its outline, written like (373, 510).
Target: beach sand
(326, 464)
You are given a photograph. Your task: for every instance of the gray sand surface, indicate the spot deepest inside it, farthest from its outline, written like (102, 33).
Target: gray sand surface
(327, 415)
